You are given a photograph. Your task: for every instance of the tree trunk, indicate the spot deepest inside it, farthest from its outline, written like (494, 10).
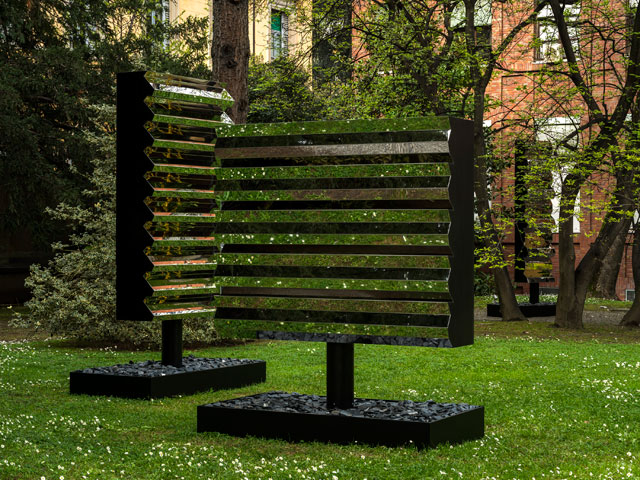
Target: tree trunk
(632, 317)
(230, 52)
(574, 282)
(607, 277)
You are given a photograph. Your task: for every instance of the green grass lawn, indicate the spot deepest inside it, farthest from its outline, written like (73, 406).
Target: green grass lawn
(554, 409)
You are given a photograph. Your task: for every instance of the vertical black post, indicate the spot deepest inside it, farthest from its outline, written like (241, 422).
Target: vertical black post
(534, 293)
(172, 342)
(339, 375)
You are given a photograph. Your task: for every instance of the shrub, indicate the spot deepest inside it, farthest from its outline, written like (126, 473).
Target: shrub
(74, 294)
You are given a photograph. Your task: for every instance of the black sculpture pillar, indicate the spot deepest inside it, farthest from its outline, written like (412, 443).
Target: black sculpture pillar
(339, 375)
(172, 343)
(534, 293)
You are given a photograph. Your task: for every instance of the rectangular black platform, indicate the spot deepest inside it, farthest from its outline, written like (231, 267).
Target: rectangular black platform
(258, 416)
(180, 382)
(527, 309)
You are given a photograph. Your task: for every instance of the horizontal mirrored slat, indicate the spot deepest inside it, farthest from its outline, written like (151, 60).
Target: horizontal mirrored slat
(176, 313)
(183, 145)
(432, 342)
(336, 171)
(335, 304)
(184, 241)
(180, 133)
(338, 249)
(188, 121)
(321, 139)
(333, 239)
(343, 216)
(318, 316)
(166, 280)
(332, 228)
(182, 81)
(209, 98)
(244, 328)
(359, 183)
(337, 260)
(184, 169)
(184, 289)
(334, 150)
(189, 273)
(329, 161)
(336, 293)
(177, 204)
(193, 158)
(338, 126)
(179, 184)
(184, 217)
(186, 109)
(179, 229)
(183, 265)
(322, 205)
(334, 283)
(330, 271)
(177, 265)
(183, 192)
(402, 194)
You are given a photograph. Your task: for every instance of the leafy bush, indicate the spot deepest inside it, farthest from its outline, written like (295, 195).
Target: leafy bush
(74, 294)
(483, 283)
(279, 92)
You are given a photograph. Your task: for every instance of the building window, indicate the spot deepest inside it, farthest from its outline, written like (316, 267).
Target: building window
(548, 47)
(556, 134)
(161, 13)
(279, 34)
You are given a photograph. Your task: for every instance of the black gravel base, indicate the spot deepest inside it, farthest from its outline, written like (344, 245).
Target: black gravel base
(152, 379)
(527, 309)
(297, 417)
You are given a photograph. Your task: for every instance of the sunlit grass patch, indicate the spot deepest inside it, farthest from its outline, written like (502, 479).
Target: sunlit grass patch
(554, 409)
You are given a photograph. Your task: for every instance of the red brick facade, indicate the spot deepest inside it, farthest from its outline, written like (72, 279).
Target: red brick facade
(515, 97)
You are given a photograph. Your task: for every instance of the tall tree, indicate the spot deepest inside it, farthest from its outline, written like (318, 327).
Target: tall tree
(606, 82)
(230, 52)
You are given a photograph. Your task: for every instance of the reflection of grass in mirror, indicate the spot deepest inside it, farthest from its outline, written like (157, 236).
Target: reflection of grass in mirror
(333, 239)
(346, 216)
(337, 194)
(337, 284)
(237, 329)
(372, 261)
(336, 171)
(344, 305)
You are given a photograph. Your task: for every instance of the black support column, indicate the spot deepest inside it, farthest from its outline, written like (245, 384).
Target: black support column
(534, 293)
(172, 342)
(339, 375)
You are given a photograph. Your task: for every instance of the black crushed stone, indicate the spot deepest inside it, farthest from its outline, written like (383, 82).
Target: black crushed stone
(348, 338)
(403, 410)
(152, 368)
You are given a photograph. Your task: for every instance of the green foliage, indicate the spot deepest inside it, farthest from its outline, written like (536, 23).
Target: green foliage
(402, 59)
(279, 92)
(483, 283)
(74, 294)
(56, 58)
(59, 60)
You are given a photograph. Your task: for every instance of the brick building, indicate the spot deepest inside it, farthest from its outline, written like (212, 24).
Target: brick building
(523, 95)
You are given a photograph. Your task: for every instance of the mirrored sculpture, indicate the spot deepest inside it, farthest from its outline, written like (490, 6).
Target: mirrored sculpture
(345, 232)
(165, 254)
